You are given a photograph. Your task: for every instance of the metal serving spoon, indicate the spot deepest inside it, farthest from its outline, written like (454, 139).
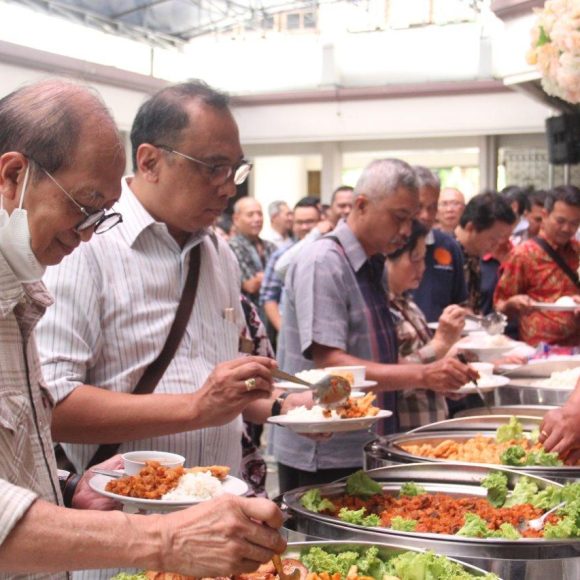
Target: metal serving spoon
(329, 390)
(492, 323)
(538, 523)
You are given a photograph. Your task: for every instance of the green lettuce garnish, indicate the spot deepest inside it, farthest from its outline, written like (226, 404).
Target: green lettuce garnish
(361, 485)
(506, 531)
(513, 430)
(412, 489)
(474, 527)
(524, 492)
(319, 560)
(358, 517)
(514, 455)
(565, 528)
(369, 564)
(543, 457)
(497, 489)
(313, 502)
(547, 498)
(403, 525)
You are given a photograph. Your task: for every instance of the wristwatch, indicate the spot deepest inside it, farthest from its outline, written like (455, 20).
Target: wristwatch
(277, 404)
(68, 484)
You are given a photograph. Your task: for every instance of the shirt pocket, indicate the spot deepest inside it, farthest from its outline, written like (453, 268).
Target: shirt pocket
(15, 435)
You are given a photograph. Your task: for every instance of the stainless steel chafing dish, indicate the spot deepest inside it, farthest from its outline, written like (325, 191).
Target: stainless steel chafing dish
(522, 391)
(518, 410)
(385, 550)
(523, 559)
(386, 451)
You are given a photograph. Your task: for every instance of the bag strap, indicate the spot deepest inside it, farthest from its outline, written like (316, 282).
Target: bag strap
(157, 368)
(558, 259)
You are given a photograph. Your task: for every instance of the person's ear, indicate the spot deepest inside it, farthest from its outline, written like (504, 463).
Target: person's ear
(12, 170)
(361, 203)
(148, 162)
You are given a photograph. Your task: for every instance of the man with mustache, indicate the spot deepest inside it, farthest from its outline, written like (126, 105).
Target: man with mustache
(61, 162)
(337, 313)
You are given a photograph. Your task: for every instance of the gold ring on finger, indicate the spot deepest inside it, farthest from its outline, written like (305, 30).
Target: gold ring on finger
(250, 384)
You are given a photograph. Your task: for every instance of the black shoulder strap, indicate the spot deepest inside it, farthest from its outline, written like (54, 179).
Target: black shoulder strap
(558, 259)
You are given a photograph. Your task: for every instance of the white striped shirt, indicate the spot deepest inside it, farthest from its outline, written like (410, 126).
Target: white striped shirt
(116, 299)
(27, 465)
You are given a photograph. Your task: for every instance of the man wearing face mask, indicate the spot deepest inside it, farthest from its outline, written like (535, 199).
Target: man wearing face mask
(61, 161)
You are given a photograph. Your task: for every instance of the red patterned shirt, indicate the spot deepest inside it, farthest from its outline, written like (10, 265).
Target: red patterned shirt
(530, 270)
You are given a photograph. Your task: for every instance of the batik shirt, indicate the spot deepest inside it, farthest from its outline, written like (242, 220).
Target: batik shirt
(530, 270)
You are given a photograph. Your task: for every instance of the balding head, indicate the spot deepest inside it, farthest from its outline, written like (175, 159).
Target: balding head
(46, 122)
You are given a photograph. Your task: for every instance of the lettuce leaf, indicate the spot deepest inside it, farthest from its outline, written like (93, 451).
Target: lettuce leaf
(313, 501)
(474, 527)
(497, 489)
(411, 489)
(369, 564)
(547, 498)
(403, 525)
(514, 455)
(565, 528)
(513, 430)
(543, 457)
(358, 517)
(507, 531)
(361, 485)
(524, 492)
(319, 560)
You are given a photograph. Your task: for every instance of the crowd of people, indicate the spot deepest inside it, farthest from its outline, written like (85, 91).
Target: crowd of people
(160, 333)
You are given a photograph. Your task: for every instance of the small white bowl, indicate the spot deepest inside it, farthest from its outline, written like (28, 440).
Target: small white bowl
(358, 372)
(484, 369)
(134, 461)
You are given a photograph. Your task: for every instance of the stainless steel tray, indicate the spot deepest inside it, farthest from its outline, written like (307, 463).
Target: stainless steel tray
(509, 410)
(541, 368)
(483, 421)
(386, 550)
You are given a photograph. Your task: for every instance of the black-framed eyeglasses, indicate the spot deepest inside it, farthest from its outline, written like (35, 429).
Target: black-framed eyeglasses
(99, 219)
(219, 172)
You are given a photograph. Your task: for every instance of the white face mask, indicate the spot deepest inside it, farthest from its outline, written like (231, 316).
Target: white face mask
(15, 241)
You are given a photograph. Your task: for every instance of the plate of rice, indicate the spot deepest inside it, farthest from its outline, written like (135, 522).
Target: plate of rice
(158, 488)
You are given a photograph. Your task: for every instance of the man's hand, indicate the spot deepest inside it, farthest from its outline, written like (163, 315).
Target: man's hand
(560, 432)
(87, 499)
(451, 324)
(518, 304)
(232, 386)
(447, 374)
(221, 537)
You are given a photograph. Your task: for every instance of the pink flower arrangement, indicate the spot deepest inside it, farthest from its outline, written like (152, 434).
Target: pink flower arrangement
(556, 48)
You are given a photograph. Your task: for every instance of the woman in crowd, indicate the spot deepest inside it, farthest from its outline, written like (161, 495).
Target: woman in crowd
(405, 269)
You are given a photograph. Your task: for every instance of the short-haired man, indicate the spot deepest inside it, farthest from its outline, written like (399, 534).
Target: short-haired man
(486, 223)
(450, 207)
(340, 207)
(306, 217)
(281, 218)
(336, 312)
(443, 282)
(61, 161)
(544, 269)
(532, 218)
(249, 248)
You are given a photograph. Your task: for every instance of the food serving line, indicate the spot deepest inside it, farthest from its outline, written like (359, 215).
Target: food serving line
(528, 395)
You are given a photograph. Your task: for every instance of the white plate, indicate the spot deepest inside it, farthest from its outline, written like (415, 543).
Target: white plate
(288, 386)
(486, 353)
(299, 425)
(541, 368)
(555, 307)
(231, 485)
(470, 326)
(485, 384)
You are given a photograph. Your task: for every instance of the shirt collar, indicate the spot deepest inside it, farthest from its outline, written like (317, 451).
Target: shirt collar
(430, 237)
(352, 247)
(138, 219)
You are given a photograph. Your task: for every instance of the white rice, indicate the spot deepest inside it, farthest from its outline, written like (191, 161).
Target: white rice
(196, 486)
(565, 301)
(311, 376)
(562, 379)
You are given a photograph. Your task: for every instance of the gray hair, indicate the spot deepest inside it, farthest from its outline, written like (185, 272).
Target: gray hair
(161, 119)
(42, 121)
(275, 207)
(383, 177)
(426, 178)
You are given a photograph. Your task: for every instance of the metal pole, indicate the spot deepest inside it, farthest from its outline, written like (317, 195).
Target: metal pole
(550, 176)
(567, 174)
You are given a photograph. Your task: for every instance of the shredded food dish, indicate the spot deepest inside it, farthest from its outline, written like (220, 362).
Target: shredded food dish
(156, 480)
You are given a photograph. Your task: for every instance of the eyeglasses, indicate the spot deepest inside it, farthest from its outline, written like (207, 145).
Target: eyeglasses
(99, 219)
(219, 172)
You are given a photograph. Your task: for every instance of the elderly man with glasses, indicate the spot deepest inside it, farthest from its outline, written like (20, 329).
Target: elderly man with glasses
(61, 161)
(121, 298)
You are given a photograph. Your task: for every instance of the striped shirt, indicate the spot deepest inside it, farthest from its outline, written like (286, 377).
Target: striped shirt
(116, 299)
(332, 299)
(27, 464)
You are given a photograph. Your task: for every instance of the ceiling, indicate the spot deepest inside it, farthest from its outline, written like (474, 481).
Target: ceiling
(168, 22)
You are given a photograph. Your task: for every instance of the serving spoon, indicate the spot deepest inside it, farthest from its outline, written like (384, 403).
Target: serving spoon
(492, 323)
(329, 390)
(538, 523)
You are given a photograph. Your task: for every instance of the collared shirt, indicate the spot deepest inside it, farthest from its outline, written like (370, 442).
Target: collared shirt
(325, 304)
(443, 282)
(27, 464)
(530, 270)
(250, 260)
(415, 407)
(116, 300)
